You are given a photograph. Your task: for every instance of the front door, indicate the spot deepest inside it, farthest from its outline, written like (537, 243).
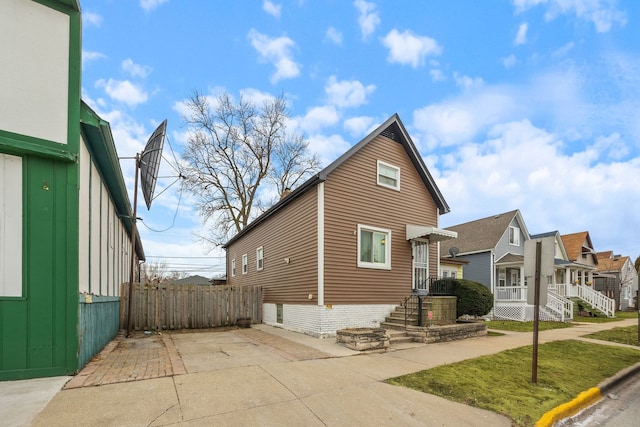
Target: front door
(420, 255)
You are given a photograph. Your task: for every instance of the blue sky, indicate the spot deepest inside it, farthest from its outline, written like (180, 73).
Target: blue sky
(522, 104)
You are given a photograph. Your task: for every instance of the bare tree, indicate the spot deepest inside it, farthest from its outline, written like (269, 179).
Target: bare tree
(158, 271)
(153, 271)
(238, 156)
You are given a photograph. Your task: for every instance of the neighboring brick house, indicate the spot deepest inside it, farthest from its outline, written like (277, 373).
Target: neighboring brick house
(348, 245)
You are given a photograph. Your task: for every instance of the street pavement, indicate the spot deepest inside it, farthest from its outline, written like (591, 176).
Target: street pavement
(262, 376)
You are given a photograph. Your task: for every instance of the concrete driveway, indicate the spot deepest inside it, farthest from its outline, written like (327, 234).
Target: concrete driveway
(265, 376)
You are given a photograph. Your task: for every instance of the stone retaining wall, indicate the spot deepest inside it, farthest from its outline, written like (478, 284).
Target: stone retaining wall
(446, 333)
(361, 339)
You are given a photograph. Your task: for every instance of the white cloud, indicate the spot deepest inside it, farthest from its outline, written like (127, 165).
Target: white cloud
(408, 49)
(347, 93)
(556, 97)
(437, 75)
(509, 61)
(519, 166)
(328, 147)
(135, 70)
(459, 120)
(368, 19)
(123, 91)
(562, 51)
(334, 35)
(89, 56)
(90, 19)
(272, 8)
(149, 5)
(521, 36)
(277, 51)
(602, 13)
(359, 126)
(318, 118)
(256, 96)
(467, 82)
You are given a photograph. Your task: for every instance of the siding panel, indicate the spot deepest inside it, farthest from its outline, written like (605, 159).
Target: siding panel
(291, 234)
(353, 197)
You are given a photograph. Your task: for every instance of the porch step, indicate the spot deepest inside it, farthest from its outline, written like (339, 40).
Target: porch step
(577, 302)
(393, 326)
(398, 337)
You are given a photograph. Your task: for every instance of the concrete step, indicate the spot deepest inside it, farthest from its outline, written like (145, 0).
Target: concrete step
(400, 340)
(400, 319)
(397, 325)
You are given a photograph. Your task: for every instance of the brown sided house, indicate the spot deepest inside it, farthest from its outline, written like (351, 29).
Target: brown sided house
(348, 245)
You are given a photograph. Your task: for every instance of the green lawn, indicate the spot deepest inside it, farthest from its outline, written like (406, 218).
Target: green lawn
(627, 335)
(509, 325)
(502, 382)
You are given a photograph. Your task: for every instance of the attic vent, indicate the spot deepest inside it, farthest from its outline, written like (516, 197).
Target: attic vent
(391, 134)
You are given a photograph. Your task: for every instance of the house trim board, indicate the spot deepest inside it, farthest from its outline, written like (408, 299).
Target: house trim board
(320, 188)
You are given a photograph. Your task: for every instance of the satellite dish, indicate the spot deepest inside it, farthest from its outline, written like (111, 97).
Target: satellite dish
(150, 162)
(453, 251)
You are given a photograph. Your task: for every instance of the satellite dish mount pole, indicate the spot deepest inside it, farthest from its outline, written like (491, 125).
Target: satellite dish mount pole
(133, 245)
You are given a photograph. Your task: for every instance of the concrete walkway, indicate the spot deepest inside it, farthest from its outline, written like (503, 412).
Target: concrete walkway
(259, 376)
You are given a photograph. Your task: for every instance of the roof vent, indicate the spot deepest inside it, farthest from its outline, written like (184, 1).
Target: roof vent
(390, 133)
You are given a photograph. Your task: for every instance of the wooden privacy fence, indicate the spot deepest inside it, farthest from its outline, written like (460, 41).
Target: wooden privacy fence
(169, 306)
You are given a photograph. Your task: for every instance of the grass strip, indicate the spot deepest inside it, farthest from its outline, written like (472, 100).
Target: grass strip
(623, 335)
(502, 382)
(513, 326)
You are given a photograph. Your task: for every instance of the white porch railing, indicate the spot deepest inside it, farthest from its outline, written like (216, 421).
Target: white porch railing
(511, 293)
(560, 306)
(597, 300)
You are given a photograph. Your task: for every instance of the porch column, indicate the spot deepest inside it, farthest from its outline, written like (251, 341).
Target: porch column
(567, 277)
(590, 277)
(521, 276)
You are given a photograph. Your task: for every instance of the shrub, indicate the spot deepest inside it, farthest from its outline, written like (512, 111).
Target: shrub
(474, 298)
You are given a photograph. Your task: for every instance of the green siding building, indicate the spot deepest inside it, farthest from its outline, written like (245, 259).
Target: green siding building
(65, 216)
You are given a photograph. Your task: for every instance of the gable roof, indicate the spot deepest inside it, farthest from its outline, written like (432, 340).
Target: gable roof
(575, 245)
(608, 262)
(482, 234)
(393, 129)
(193, 280)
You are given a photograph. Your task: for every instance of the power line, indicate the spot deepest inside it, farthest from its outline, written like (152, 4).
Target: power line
(185, 257)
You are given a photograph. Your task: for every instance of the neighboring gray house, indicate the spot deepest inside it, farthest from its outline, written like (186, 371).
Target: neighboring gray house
(494, 248)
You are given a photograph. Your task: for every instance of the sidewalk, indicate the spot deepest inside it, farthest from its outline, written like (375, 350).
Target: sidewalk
(258, 376)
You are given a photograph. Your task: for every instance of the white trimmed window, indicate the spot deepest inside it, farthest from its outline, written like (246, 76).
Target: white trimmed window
(10, 226)
(514, 236)
(259, 258)
(502, 277)
(388, 175)
(245, 264)
(233, 267)
(374, 247)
